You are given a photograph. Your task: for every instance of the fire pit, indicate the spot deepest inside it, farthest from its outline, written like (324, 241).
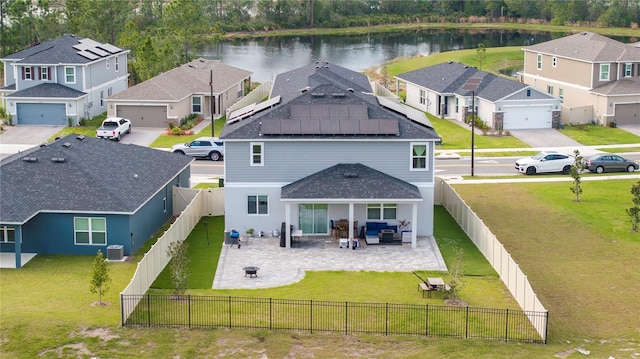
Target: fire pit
(250, 271)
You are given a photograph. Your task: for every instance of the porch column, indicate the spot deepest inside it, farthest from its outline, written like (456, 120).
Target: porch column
(351, 234)
(414, 231)
(18, 247)
(287, 226)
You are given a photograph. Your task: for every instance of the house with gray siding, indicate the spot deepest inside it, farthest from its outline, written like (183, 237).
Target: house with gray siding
(79, 194)
(60, 81)
(324, 148)
(502, 104)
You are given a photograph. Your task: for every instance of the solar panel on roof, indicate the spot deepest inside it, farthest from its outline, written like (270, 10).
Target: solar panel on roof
(290, 127)
(388, 127)
(108, 47)
(299, 112)
(80, 47)
(270, 127)
(330, 126)
(472, 84)
(368, 127)
(349, 127)
(98, 51)
(88, 55)
(310, 126)
(89, 42)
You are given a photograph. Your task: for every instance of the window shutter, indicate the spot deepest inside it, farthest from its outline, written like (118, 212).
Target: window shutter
(23, 76)
(33, 73)
(49, 73)
(39, 73)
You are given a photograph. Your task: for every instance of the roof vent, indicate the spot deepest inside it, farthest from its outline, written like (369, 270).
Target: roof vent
(66, 145)
(192, 66)
(351, 90)
(202, 60)
(44, 144)
(30, 159)
(350, 175)
(317, 94)
(338, 94)
(58, 159)
(80, 138)
(450, 62)
(305, 89)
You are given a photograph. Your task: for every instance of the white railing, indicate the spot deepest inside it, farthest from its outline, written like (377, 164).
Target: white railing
(508, 270)
(208, 202)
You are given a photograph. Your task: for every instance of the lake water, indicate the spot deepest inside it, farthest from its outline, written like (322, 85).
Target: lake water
(267, 57)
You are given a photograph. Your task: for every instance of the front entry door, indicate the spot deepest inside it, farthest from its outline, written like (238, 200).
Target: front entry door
(313, 218)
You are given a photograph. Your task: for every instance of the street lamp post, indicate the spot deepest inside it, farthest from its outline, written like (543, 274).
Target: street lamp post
(472, 85)
(211, 102)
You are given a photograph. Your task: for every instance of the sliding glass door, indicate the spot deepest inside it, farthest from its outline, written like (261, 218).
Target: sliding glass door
(313, 218)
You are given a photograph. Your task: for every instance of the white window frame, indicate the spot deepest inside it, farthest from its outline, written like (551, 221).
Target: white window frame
(108, 62)
(423, 96)
(44, 73)
(70, 76)
(27, 73)
(90, 231)
(554, 61)
(550, 89)
(4, 234)
(117, 64)
(628, 70)
(240, 89)
(382, 209)
(539, 61)
(561, 94)
(101, 98)
(425, 156)
(164, 199)
(193, 104)
(256, 158)
(605, 69)
(257, 200)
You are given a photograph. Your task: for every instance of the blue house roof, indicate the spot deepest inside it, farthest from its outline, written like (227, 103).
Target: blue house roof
(50, 90)
(78, 174)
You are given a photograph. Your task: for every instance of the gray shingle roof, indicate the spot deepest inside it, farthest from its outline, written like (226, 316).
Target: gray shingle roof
(328, 80)
(626, 86)
(350, 181)
(55, 51)
(450, 77)
(185, 80)
(588, 46)
(50, 90)
(97, 176)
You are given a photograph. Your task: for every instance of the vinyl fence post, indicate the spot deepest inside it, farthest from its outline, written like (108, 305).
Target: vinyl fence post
(121, 309)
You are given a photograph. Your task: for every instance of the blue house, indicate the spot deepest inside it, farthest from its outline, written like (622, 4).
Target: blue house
(324, 148)
(80, 194)
(68, 77)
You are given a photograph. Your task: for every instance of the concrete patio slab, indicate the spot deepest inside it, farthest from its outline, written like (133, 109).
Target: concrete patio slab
(8, 260)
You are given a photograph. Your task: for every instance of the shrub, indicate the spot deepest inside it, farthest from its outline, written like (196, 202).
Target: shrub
(83, 122)
(613, 124)
(176, 131)
(70, 121)
(3, 112)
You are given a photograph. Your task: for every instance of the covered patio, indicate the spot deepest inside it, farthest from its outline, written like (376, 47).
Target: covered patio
(347, 189)
(8, 260)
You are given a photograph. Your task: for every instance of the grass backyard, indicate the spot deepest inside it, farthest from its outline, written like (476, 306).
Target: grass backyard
(566, 248)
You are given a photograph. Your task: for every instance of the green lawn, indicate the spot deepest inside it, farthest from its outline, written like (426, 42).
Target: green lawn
(592, 135)
(166, 141)
(456, 137)
(88, 130)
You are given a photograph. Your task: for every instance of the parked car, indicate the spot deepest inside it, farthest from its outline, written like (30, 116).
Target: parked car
(608, 162)
(545, 161)
(113, 128)
(203, 147)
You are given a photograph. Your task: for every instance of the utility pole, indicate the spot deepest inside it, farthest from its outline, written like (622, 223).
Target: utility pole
(213, 131)
(472, 85)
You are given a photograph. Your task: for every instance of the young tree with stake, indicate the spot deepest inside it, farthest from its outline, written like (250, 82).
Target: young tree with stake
(100, 278)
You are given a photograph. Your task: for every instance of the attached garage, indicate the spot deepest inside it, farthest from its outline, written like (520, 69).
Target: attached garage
(627, 114)
(41, 114)
(527, 117)
(144, 116)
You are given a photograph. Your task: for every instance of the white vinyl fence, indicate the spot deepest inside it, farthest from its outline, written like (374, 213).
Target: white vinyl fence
(257, 95)
(509, 271)
(191, 205)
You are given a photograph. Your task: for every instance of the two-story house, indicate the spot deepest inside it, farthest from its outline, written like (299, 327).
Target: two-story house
(59, 81)
(322, 148)
(597, 78)
(502, 104)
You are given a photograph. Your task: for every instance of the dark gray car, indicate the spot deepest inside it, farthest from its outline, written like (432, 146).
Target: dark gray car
(608, 162)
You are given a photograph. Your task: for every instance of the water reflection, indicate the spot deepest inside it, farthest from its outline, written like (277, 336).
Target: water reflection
(267, 57)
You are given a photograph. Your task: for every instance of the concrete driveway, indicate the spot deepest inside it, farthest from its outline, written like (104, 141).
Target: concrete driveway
(28, 135)
(142, 136)
(546, 137)
(634, 129)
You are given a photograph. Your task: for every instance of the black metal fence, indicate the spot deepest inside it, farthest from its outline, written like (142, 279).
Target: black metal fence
(162, 310)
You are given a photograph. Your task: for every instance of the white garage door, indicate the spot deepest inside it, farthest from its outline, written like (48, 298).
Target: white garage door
(526, 117)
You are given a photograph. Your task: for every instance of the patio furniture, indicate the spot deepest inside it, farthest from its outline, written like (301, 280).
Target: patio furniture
(344, 242)
(296, 236)
(250, 271)
(425, 288)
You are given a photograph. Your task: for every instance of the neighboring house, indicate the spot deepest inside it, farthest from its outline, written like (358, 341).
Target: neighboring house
(501, 103)
(325, 148)
(180, 92)
(80, 194)
(62, 80)
(597, 78)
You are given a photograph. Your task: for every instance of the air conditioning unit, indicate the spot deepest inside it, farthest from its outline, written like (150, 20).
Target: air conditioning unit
(115, 252)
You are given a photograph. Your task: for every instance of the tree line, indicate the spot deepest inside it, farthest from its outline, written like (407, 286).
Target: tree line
(164, 33)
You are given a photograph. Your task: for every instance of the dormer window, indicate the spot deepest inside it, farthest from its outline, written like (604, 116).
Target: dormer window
(604, 72)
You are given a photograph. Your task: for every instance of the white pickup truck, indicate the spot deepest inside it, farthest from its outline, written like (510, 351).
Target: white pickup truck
(113, 128)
